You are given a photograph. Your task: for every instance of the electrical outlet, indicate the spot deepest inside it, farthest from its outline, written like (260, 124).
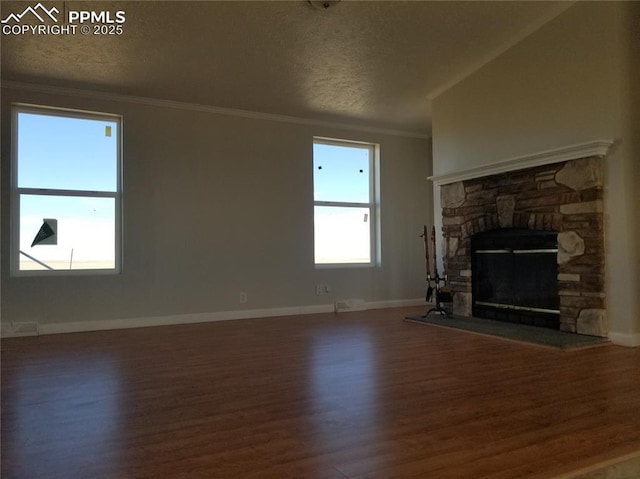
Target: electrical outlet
(244, 297)
(320, 289)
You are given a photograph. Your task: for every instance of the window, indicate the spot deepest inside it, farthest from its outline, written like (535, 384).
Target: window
(66, 191)
(346, 213)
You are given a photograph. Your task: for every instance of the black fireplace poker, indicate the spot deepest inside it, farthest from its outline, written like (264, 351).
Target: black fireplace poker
(442, 292)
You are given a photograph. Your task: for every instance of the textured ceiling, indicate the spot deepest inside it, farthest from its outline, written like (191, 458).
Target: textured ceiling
(376, 63)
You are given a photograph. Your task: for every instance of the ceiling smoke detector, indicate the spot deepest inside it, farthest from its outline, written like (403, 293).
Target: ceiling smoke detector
(323, 4)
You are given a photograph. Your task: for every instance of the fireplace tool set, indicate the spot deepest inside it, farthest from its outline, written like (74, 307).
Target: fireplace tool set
(440, 288)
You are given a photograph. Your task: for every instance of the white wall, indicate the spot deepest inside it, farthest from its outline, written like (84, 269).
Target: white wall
(567, 83)
(634, 135)
(217, 204)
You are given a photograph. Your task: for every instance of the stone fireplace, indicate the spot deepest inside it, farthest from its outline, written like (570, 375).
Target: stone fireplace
(561, 201)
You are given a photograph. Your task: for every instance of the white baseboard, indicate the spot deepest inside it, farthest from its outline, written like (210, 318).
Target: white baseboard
(7, 331)
(625, 339)
(396, 303)
(80, 326)
(12, 330)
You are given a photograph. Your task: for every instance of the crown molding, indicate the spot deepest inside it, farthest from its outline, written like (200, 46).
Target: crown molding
(179, 105)
(572, 152)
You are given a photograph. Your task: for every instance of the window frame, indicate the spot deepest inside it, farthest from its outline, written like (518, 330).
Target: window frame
(373, 204)
(17, 192)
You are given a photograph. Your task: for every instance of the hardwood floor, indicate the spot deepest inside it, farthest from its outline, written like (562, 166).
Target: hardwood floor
(357, 395)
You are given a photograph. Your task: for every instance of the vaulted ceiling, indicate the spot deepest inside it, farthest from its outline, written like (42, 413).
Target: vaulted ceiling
(377, 63)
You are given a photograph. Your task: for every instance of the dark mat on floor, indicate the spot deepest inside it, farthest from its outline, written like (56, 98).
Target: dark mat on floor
(515, 332)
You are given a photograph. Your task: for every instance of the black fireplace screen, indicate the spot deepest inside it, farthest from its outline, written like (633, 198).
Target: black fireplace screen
(514, 276)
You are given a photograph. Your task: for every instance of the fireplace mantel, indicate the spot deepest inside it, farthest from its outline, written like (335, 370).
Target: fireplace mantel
(597, 148)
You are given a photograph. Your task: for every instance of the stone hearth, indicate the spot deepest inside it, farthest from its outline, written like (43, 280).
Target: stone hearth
(565, 198)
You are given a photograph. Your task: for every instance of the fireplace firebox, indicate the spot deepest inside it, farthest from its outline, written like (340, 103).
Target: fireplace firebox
(515, 276)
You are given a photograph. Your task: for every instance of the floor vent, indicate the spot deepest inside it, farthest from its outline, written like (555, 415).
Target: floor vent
(350, 305)
(21, 329)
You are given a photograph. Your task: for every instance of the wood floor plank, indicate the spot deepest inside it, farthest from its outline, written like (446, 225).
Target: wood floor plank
(354, 395)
